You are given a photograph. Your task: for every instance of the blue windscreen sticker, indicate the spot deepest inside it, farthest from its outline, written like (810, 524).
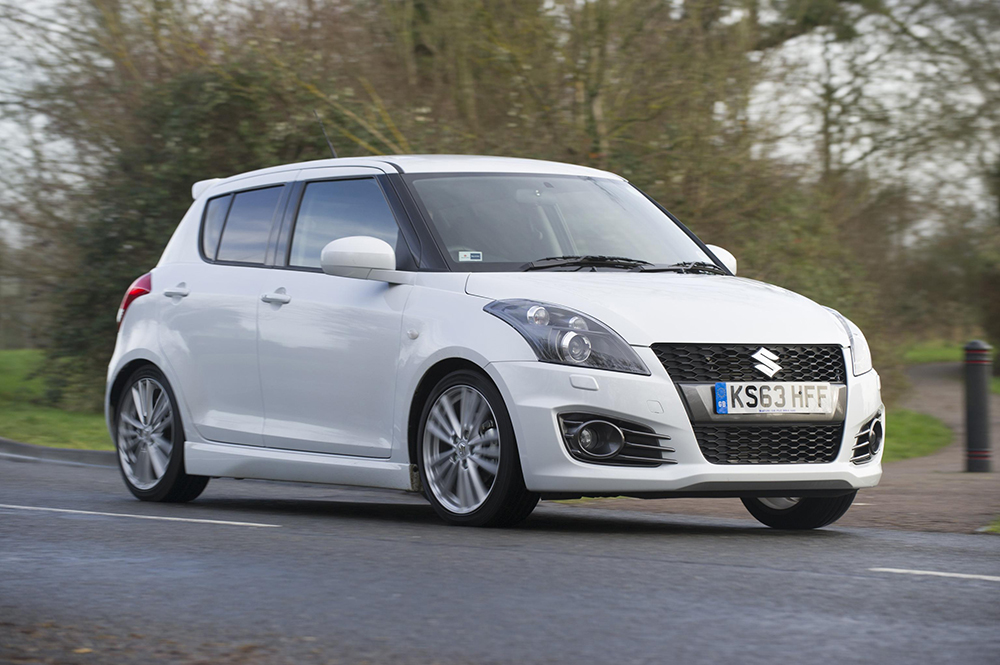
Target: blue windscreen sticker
(721, 398)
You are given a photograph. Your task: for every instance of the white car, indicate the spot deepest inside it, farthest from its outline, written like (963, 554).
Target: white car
(487, 331)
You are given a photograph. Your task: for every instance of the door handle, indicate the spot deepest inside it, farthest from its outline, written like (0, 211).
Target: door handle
(276, 298)
(179, 291)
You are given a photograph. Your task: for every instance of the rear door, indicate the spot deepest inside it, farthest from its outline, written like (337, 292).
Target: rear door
(329, 346)
(208, 321)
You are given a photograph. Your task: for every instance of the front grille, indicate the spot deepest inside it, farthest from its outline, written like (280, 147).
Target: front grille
(643, 447)
(769, 444)
(703, 363)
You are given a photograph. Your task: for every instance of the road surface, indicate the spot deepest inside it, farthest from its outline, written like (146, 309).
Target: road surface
(291, 573)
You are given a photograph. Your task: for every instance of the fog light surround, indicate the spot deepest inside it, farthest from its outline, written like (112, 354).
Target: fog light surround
(599, 439)
(876, 437)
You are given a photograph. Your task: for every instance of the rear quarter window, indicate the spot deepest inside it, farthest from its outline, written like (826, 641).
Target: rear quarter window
(211, 231)
(247, 229)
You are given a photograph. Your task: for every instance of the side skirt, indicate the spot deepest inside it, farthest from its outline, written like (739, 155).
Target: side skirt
(234, 461)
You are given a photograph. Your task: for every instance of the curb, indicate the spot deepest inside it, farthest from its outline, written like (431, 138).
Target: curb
(17, 450)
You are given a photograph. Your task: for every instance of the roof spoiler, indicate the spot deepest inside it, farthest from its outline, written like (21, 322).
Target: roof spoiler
(200, 187)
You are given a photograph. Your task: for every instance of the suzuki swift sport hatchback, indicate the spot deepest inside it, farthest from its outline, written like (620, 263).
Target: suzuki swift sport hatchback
(486, 331)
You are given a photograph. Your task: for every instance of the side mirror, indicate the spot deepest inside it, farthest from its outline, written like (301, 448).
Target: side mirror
(357, 256)
(725, 256)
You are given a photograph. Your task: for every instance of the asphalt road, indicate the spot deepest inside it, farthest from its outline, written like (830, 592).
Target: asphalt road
(364, 576)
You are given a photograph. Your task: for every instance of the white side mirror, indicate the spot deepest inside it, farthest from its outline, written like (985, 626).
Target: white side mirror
(357, 256)
(725, 256)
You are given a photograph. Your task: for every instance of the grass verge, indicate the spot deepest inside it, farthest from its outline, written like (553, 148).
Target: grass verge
(25, 417)
(936, 351)
(911, 434)
(994, 527)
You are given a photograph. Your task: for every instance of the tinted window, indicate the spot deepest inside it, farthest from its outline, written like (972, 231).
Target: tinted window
(337, 209)
(248, 227)
(215, 216)
(515, 219)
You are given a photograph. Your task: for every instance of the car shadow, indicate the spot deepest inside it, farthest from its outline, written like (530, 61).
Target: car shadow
(404, 508)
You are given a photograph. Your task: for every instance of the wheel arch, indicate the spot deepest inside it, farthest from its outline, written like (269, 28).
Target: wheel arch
(118, 384)
(435, 373)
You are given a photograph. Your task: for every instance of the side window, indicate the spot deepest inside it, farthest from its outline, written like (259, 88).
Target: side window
(248, 227)
(215, 217)
(337, 209)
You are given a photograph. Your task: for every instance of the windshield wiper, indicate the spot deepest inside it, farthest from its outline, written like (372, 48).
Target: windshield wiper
(697, 267)
(589, 261)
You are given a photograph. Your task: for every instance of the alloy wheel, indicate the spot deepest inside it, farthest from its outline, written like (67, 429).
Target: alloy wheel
(779, 502)
(461, 449)
(145, 433)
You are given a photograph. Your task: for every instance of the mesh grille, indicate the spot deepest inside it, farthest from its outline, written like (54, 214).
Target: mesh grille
(698, 363)
(770, 444)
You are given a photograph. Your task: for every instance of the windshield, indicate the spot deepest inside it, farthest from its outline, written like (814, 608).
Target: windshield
(503, 222)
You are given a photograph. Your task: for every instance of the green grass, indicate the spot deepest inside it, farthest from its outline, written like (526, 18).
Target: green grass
(912, 434)
(934, 352)
(995, 386)
(24, 416)
(994, 527)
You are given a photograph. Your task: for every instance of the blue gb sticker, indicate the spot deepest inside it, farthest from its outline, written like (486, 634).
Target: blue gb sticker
(721, 398)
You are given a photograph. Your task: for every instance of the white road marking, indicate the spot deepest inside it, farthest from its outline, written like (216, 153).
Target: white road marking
(964, 576)
(140, 517)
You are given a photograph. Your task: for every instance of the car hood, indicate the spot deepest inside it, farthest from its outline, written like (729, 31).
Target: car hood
(645, 308)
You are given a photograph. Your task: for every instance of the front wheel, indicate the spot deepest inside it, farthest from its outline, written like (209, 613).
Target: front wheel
(798, 513)
(469, 465)
(150, 441)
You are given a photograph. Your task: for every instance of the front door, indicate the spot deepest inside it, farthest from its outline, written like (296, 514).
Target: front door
(329, 346)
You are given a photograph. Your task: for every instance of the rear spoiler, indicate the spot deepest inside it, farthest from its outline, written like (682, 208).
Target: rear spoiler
(200, 187)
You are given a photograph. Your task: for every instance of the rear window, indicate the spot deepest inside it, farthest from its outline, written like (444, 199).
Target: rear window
(337, 209)
(215, 217)
(248, 227)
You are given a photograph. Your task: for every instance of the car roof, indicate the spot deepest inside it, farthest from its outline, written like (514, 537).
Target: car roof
(428, 164)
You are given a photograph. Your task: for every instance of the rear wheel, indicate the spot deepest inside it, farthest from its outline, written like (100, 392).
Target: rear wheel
(469, 465)
(798, 513)
(150, 440)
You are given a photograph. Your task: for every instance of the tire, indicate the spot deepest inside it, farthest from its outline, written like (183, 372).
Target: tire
(150, 441)
(455, 470)
(804, 513)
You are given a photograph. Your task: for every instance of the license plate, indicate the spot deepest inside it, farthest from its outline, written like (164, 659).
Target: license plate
(773, 397)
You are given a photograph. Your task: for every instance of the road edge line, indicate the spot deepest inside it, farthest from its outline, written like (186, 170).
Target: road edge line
(18, 450)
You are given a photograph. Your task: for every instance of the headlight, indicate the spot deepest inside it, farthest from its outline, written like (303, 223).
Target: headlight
(860, 351)
(565, 336)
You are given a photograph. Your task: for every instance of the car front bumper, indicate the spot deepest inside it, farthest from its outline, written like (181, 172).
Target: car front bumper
(536, 393)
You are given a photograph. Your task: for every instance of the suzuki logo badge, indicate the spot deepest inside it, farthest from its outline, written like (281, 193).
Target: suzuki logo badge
(766, 362)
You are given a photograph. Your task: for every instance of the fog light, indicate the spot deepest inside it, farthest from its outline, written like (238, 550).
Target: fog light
(600, 439)
(574, 347)
(875, 438)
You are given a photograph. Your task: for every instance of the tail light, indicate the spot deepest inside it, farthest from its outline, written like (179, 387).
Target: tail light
(140, 287)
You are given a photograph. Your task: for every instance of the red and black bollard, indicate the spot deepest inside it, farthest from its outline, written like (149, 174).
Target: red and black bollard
(977, 405)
